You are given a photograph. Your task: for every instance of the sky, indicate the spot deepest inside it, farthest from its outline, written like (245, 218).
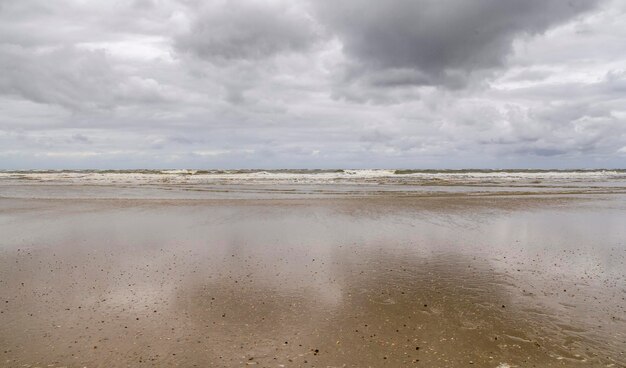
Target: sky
(312, 84)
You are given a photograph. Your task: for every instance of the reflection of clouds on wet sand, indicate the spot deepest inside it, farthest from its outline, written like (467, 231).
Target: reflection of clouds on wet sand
(311, 283)
(398, 309)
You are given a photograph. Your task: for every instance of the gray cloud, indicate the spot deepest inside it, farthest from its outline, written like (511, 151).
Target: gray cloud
(276, 83)
(426, 42)
(246, 29)
(65, 76)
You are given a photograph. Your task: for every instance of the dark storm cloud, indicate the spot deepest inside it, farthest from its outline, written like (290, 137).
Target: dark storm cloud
(432, 42)
(245, 29)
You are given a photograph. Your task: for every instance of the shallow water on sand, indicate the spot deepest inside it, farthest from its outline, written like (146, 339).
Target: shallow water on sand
(332, 282)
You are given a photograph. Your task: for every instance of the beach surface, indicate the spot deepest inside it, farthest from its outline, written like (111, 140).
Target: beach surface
(323, 269)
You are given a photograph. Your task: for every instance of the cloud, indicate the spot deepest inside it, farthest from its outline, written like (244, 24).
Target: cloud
(80, 138)
(64, 76)
(442, 43)
(247, 29)
(276, 83)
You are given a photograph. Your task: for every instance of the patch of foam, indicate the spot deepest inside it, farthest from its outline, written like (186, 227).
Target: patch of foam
(183, 171)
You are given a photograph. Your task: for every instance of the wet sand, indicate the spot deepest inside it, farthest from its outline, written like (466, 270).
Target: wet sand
(488, 281)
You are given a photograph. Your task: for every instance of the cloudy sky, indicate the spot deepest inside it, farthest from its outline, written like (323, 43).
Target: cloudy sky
(312, 83)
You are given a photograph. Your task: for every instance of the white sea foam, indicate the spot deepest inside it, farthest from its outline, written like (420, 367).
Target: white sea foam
(372, 176)
(183, 171)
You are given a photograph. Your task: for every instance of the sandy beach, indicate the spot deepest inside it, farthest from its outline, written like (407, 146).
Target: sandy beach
(313, 183)
(419, 280)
